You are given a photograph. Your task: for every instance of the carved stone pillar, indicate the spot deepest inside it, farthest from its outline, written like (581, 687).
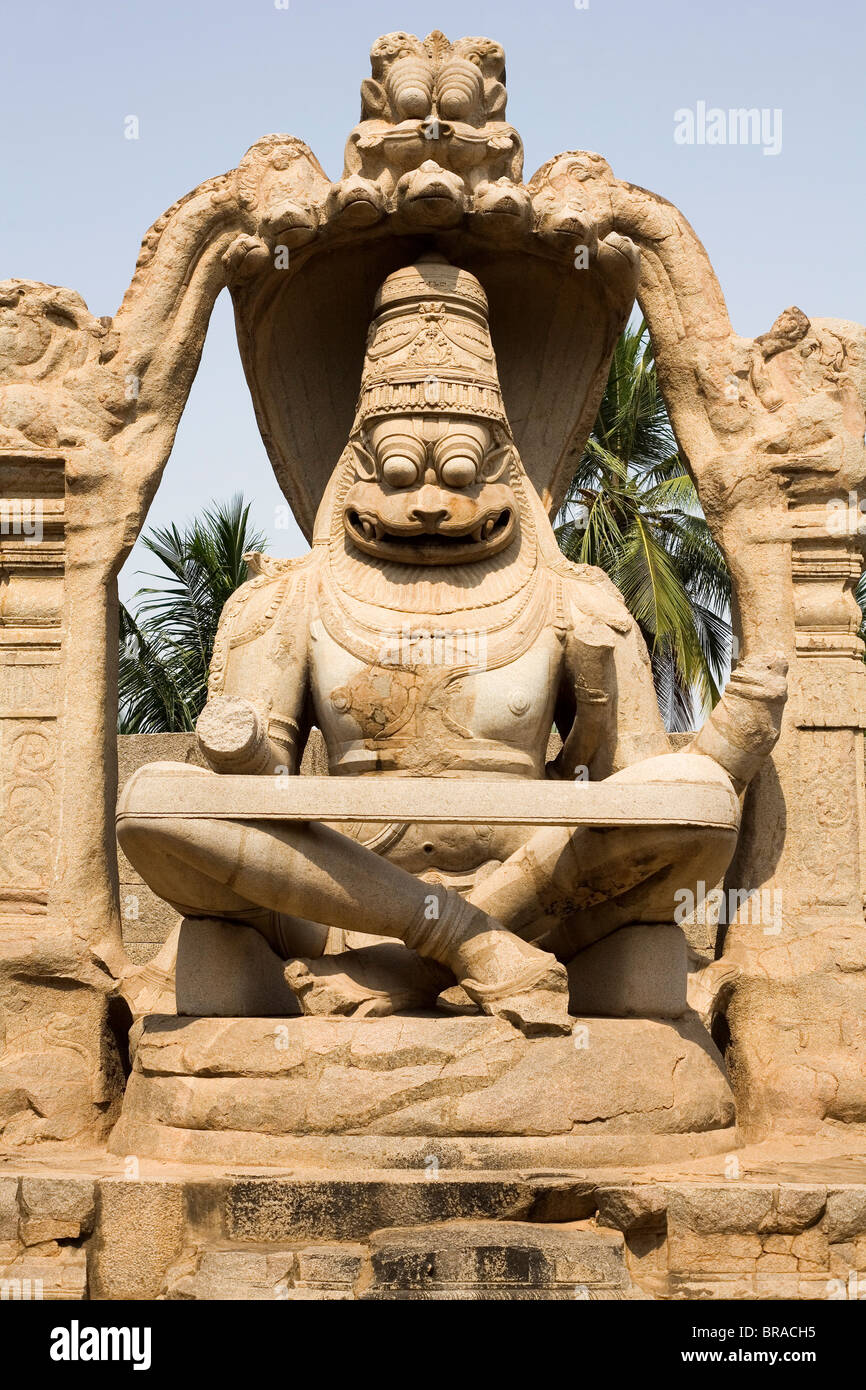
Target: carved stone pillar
(829, 714)
(797, 1008)
(56, 1067)
(32, 521)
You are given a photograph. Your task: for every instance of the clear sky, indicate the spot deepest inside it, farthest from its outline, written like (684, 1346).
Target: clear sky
(206, 78)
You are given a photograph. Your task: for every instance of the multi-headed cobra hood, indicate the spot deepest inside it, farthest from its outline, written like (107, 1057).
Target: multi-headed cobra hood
(432, 167)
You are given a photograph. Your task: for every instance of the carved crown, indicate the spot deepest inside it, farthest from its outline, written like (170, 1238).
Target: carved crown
(429, 346)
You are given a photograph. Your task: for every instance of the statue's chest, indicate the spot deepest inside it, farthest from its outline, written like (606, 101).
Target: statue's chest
(433, 692)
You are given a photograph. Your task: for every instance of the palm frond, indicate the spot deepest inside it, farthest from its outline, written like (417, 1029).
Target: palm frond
(632, 509)
(167, 644)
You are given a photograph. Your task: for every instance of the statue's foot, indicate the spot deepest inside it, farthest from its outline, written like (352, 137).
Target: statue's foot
(455, 1000)
(536, 1001)
(369, 983)
(505, 976)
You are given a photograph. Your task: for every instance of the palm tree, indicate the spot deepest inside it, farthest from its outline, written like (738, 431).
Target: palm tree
(166, 646)
(632, 509)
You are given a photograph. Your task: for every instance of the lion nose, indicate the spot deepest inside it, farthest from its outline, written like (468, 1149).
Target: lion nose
(429, 508)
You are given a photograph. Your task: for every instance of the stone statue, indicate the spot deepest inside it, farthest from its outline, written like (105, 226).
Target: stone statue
(436, 631)
(462, 949)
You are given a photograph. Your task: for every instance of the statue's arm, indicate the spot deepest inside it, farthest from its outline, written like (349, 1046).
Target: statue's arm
(744, 726)
(256, 718)
(607, 713)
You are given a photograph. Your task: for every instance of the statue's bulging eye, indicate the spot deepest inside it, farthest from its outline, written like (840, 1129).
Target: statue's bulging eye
(458, 471)
(411, 87)
(458, 88)
(455, 103)
(399, 471)
(414, 101)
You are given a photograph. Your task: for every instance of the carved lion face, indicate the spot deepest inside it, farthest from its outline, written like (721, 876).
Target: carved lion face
(428, 491)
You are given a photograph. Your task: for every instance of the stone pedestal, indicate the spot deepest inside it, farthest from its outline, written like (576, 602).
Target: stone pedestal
(224, 970)
(423, 1092)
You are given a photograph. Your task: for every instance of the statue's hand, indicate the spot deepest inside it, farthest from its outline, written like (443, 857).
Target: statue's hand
(744, 726)
(756, 695)
(233, 736)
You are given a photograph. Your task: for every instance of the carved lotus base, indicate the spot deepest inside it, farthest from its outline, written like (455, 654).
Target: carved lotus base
(423, 1091)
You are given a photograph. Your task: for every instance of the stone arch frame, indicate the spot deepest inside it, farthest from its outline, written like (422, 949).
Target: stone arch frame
(89, 409)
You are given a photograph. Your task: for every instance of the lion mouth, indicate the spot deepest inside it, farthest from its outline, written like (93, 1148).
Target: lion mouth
(414, 543)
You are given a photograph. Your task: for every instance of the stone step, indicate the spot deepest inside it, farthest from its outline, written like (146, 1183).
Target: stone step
(451, 1260)
(497, 1259)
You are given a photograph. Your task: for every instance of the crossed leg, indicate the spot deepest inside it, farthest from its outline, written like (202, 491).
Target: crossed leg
(567, 888)
(564, 889)
(313, 874)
